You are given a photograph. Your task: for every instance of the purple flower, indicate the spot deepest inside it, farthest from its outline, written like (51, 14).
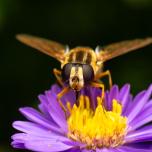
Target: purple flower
(121, 125)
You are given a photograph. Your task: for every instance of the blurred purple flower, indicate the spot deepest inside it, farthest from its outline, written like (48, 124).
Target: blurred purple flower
(47, 129)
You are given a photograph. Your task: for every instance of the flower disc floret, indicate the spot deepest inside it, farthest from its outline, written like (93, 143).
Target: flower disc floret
(99, 127)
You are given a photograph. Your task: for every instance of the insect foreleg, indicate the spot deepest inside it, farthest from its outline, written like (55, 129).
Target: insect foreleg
(57, 74)
(59, 95)
(99, 85)
(103, 74)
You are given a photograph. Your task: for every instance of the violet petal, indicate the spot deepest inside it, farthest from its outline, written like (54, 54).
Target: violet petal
(138, 104)
(35, 116)
(140, 135)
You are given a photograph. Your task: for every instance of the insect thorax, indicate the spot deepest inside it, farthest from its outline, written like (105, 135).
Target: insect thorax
(81, 55)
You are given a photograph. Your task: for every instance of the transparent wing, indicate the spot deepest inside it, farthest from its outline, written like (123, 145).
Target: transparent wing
(48, 47)
(119, 48)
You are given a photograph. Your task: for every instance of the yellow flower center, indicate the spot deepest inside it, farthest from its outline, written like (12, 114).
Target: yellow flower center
(96, 128)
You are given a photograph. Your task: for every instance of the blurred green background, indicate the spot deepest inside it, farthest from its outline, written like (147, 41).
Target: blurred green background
(25, 73)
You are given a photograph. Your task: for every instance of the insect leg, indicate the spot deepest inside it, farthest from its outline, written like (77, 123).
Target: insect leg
(99, 85)
(103, 74)
(59, 95)
(57, 74)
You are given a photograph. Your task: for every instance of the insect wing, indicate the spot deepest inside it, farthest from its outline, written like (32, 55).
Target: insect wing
(116, 49)
(45, 46)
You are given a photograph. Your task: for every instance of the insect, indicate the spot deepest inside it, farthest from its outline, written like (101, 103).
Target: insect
(81, 65)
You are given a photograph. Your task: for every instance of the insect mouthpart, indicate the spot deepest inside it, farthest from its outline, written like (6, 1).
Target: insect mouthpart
(74, 83)
(75, 79)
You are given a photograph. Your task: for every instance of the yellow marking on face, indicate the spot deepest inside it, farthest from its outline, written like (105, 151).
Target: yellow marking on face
(76, 78)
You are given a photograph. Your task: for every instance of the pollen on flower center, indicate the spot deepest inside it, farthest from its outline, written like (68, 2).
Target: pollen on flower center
(96, 128)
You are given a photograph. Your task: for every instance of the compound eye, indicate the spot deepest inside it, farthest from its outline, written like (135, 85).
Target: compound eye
(66, 71)
(88, 73)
